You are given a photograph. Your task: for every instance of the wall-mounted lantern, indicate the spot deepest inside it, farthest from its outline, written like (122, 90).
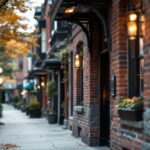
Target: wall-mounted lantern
(69, 10)
(38, 87)
(77, 60)
(1, 80)
(1, 70)
(24, 92)
(132, 25)
(42, 84)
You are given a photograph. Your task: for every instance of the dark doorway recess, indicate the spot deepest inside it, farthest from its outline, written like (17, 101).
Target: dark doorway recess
(104, 98)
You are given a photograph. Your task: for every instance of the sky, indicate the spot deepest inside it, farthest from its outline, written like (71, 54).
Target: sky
(30, 14)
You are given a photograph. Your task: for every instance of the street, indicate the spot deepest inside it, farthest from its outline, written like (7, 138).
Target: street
(20, 132)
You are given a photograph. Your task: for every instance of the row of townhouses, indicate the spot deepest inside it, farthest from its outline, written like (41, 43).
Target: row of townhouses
(97, 53)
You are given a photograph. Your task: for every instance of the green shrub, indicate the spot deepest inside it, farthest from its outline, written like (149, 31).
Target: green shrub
(51, 89)
(19, 104)
(34, 104)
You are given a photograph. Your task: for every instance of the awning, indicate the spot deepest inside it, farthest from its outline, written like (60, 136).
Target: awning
(38, 71)
(52, 63)
(82, 12)
(28, 86)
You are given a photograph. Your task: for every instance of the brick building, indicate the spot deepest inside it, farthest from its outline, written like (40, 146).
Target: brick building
(112, 63)
(46, 66)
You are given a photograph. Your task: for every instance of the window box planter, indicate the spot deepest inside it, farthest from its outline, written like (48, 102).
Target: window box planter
(130, 115)
(79, 108)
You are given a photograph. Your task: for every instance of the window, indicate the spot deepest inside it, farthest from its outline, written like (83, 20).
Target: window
(50, 2)
(136, 64)
(71, 82)
(80, 75)
(54, 27)
(141, 68)
(29, 63)
(64, 23)
(43, 40)
(20, 63)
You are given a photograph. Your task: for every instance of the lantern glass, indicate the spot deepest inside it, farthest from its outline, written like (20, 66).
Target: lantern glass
(42, 84)
(132, 17)
(1, 70)
(132, 30)
(1, 80)
(38, 86)
(77, 61)
(69, 10)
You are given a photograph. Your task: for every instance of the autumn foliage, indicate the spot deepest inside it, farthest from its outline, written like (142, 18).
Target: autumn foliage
(14, 38)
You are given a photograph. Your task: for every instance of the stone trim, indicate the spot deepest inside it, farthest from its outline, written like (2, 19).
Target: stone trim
(134, 124)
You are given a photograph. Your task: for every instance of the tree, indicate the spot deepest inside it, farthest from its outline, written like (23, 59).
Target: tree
(13, 28)
(3, 3)
(14, 40)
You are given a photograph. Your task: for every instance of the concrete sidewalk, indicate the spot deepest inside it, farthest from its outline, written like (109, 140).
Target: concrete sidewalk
(24, 133)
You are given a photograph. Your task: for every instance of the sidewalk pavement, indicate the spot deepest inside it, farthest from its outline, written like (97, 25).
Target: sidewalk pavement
(19, 132)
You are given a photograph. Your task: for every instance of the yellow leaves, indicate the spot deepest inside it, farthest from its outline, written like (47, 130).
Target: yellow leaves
(33, 41)
(12, 24)
(130, 101)
(14, 49)
(9, 19)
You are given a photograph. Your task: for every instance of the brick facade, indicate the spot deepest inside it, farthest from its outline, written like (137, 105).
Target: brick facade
(146, 145)
(123, 135)
(88, 121)
(87, 124)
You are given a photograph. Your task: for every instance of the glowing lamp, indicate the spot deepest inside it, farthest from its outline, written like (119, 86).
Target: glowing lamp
(132, 26)
(1, 70)
(77, 61)
(42, 84)
(1, 80)
(69, 10)
(38, 86)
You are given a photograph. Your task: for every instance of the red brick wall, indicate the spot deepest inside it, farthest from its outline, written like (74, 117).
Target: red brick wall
(122, 136)
(90, 134)
(80, 120)
(146, 5)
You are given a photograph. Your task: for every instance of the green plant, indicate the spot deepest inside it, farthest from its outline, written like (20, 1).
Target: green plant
(19, 104)
(34, 104)
(136, 103)
(51, 89)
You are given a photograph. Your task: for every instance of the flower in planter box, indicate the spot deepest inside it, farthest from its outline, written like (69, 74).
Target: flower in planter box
(135, 103)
